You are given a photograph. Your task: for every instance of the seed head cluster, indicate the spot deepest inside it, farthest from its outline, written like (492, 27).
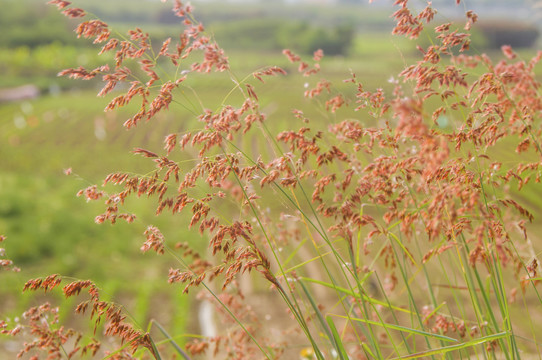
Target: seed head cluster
(377, 192)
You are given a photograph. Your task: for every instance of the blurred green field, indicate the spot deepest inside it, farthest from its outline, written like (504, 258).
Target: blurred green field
(50, 230)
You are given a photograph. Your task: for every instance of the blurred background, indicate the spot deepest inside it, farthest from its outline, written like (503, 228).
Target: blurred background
(49, 124)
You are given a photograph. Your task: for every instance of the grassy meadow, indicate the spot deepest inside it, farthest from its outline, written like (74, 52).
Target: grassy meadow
(51, 230)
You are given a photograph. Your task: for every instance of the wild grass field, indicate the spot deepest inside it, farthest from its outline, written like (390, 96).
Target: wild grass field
(51, 230)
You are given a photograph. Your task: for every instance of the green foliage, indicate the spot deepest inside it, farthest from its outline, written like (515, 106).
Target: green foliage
(49, 228)
(32, 23)
(41, 64)
(306, 39)
(279, 34)
(256, 34)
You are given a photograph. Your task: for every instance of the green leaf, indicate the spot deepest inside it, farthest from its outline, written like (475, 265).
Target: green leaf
(446, 349)
(400, 328)
(337, 339)
(170, 340)
(318, 314)
(356, 295)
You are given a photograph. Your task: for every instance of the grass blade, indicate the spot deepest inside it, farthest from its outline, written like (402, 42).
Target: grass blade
(302, 264)
(336, 338)
(319, 315)
(446, 349)
(170, 340)
(356, 295)
(401, 328)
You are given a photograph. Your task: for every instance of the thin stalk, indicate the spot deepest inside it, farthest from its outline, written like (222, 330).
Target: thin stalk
(224, 306)
(447, 349)
(169, 339)
(307, 219)
(334, 341)
(331, 276)
(410, 295)
(295, 309)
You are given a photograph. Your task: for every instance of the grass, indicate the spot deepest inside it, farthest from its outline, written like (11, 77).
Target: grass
(59, 132)
(411, 302)
(35, 185)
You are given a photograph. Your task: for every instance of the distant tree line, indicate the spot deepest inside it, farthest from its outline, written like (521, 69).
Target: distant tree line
(299, 36)
(514, 33)
(38, 24)
(33, 25)
(493, 34)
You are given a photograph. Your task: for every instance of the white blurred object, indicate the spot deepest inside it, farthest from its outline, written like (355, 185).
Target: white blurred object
(206, 319)
(19, 93)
